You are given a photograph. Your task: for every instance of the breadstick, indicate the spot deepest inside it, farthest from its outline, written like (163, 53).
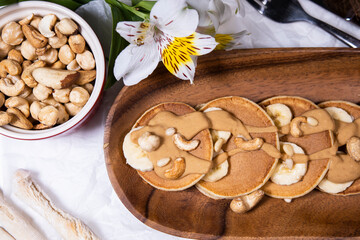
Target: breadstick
(4, 235)
(16, 224)
(66, 225)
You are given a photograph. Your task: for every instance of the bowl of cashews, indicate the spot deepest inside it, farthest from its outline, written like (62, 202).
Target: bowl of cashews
(52, 70)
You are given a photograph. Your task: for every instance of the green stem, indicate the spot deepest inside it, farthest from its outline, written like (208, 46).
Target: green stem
(133, 10)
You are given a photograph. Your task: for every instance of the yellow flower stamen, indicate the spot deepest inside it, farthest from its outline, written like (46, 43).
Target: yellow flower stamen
(223, 40)
(177, 53)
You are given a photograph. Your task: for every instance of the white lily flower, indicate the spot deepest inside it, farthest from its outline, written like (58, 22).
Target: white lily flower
(217, 18)
(169, 35)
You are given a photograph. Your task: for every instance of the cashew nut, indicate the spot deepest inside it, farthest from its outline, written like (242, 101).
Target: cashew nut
(63, 115)
(184, 144)
(18, 119)
(55, 78)
(8, 66)
(27, 73)
(59, 40)
(12, 34)
(312, 121)
(5, 118)
(289, 150)
(247, 202)
(50, 101)
(86, 60)
(251, 145)
(35, 108)
(73, 65)
(4, 48)
(77, 43)
(89, 87)
(46, 24)
(2, 99)
(72, 109)
(169, 131)
(149, 142)
(48, 115)
(295, 130)
(28, 51)
(58, 65)
(31, 98)
(177, 169)
(86, 77)
(26, 92)
(67, 26)
(41, 92)
(34, 37)
(26, 63)
(163, 162)
(41, 126)
(62, 95)
(26, 20)
(19, 103)
(42, 51)
(35, 21)
(11, 86)
(79, 96)
(66, 55)
(353, 148)
(50, 56)
(16, 56)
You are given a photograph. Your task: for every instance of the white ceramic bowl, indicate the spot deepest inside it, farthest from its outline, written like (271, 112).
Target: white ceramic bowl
(20, 10)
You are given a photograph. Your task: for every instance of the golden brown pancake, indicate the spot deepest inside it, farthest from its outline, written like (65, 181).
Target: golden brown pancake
(309, 143)
(353, 110)
(248, 171)
(203, 151)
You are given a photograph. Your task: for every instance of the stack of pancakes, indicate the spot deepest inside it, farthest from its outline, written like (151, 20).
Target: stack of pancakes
(246, 172)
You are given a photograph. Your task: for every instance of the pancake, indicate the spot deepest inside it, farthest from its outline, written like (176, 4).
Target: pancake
(248, 171)
(354, 111)
(311, 143)
(203, 151)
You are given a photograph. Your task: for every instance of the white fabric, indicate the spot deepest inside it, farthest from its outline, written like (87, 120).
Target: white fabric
(71, 168)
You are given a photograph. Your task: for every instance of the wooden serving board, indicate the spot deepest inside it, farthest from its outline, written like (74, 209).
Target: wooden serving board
(318, 74)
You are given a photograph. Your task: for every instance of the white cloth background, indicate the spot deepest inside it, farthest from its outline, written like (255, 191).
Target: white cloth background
(71, 168)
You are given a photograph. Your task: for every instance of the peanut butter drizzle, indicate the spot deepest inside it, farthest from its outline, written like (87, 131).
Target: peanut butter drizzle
(266, 147)
(343, 169)
(322, 154)
(225, 121)
(344, 131)
(190, 125)
(323, 117)
(168, 149)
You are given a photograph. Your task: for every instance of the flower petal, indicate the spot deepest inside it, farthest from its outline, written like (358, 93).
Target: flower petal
(201, 6)
(135, 63)
(221, 11)
(203, 44)
(174, 18)
(229, 41)
(135, 32)
(176, 53)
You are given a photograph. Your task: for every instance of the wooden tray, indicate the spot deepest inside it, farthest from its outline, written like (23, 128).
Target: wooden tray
(318, 74)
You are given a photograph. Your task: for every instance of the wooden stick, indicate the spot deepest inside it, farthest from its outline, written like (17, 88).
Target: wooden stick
(4, 235)
(16, 224)
(66, 225)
